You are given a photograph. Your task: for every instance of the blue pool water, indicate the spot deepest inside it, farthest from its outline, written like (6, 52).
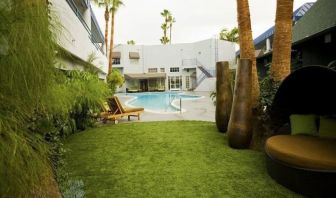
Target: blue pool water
(159, 101)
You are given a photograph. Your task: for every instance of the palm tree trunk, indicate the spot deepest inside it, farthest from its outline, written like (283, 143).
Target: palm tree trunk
(107, 16)
(165, 30)
(111, 44)
(247, 50)
(170, 32)
(282, 42)
(165, 36)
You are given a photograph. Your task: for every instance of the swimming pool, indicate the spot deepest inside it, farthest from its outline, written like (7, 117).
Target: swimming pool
(159, 102)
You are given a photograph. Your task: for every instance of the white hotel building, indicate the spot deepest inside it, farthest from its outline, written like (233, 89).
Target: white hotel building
(79, 36)
(188, 66)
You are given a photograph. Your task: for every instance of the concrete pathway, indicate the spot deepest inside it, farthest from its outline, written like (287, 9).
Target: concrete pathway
(200, 109)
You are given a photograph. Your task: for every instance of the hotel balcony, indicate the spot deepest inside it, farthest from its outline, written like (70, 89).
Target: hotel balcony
(79, 32)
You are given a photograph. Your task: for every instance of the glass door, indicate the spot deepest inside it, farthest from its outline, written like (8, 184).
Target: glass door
(175, 82)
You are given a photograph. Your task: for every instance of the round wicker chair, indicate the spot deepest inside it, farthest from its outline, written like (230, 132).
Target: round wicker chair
(295, 161)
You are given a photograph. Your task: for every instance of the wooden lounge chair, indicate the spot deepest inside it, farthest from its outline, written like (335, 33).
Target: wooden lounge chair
(115, 110)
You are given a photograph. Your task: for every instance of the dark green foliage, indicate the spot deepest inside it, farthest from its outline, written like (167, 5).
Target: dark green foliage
(166, 159)
(74, 189)
(114, 80)
(39, 105)
(69, 188)
(268, 89)
(229, 35)
(83, 95)
(89, 93)
(26, 76)
(262, 125)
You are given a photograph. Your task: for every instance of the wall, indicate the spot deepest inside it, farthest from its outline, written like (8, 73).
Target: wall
(316, 51)
(73, 37)
(208, 85)
(206, 52)
(130, 65)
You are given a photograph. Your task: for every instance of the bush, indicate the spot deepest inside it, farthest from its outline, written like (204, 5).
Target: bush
(268, 89)
(39, 105)
(89, 94)
(26, 80)
(115, 79)
(263, 128)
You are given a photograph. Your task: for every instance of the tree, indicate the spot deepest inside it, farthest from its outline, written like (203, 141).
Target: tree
(282, 43)
(164, 40)
(115, 6)
(229, 35)
(115, 79)
(165, 13)
(131, 42)
(171, 20)
(107, 4)
(246, 45)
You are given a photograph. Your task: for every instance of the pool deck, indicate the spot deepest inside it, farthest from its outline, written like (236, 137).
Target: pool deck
(199, 109)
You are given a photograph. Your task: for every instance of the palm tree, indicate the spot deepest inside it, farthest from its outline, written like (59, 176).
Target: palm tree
(165, 13)
(107, 4)
(164, 40)
(131, 42)
(282, 42)
(229, 35)
(171, 20)
(247, 49)
(115, 6)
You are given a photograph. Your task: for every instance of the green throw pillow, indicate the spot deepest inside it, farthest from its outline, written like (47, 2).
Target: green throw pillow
(327, 127)
(303, 124)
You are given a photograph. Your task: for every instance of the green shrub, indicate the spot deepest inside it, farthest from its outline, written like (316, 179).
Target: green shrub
(268, 89)
(115, 79)
(262, 125)
(39, 104)
(26, 78)
(69, 188)
(74, 188)
(89, 93)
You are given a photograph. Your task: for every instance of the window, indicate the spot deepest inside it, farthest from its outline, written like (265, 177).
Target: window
(187, 82)
(162, 70)
(175, 82)
(174, 69)
(134, 61)
(152, 70)
(116, 61)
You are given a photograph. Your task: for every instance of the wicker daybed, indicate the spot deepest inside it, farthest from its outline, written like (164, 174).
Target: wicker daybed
(305, 164)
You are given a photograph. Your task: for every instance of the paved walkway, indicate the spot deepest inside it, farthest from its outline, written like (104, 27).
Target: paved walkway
(200, 109)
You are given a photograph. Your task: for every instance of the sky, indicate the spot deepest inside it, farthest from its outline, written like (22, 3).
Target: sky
(196, 20)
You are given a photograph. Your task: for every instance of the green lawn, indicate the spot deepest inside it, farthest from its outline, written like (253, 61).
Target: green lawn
(166, 159)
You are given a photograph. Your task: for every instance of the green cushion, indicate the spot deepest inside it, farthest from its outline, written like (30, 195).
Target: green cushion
(303, 124)
(327, 127)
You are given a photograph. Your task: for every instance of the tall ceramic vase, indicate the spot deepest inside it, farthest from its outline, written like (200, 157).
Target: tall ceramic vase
(223, 96)
(240, 126)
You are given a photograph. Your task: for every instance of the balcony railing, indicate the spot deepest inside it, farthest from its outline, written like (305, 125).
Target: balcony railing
(74, 8)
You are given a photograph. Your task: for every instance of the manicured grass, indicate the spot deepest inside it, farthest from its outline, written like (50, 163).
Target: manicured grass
(166, 159)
